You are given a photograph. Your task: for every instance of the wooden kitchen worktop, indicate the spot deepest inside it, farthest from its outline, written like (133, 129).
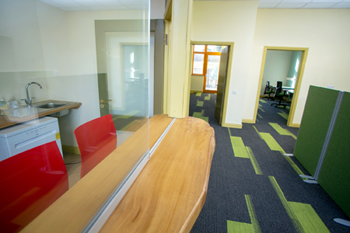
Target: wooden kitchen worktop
(167, 196)
(6, 121)
(171, 190)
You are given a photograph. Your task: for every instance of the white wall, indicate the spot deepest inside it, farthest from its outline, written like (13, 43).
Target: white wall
(57, 49)
(20, 42)
(82, 36)
(229, 21)
(80, 77)
(324, 31)
(276, 68)
(76, 88)
(54, 38)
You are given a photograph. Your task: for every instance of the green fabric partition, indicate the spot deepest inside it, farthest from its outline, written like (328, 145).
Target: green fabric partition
(314, 126)
(334, 176)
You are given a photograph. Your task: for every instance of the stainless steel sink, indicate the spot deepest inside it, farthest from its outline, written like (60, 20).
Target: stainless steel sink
(50, 105)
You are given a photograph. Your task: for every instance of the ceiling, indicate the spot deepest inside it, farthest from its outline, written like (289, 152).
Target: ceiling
(101, 5)
(304, 4)
(97, 5)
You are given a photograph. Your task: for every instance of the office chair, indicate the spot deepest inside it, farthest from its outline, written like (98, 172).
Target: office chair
(279, 94)
(30, 182)
(268, 90)
(96, 140)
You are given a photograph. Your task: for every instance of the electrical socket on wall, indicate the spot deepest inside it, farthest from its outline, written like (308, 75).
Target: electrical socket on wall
(234, 92)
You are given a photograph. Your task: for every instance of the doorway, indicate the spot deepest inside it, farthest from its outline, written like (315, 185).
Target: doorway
(210, 75)
(206, 65)
(291, 80)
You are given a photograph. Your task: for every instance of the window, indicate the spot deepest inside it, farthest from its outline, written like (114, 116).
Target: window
(200, 57)
(206, 63)
(198, 63)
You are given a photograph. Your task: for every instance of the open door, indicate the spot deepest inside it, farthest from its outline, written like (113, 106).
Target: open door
(221, 84)
(103, 93)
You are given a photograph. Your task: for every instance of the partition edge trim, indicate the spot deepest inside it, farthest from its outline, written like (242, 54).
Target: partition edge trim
(100, 218)
(329, 134)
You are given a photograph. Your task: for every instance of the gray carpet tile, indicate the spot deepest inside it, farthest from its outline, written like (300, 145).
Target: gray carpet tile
(231, 178)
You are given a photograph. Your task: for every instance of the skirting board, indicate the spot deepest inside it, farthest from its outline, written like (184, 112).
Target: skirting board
(71, 149)
(232, 125)
(294, 125)
(248, 121)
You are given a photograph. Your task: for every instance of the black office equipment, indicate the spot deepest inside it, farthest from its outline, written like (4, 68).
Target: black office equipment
(268, 90)
(279, 94)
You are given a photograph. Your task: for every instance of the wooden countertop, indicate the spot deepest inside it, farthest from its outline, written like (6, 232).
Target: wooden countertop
(6, 121)
(167, 196)
(170, 192)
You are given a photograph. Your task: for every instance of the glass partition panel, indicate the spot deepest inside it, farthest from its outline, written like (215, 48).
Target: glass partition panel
(74, 87)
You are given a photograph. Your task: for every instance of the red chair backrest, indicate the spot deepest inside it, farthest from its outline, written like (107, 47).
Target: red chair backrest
(96, 140)
(30, 182)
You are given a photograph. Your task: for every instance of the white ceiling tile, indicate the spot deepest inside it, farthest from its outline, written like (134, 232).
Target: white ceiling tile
(80, 8)
(296, 1)
(99, 8)
(267, 5)
(325, 1)
(137, 6)
(118, 8)
(63, 2)
(67, 3)
(319, 5)
(127, 2)
(290, 5)
(51, 3)
(342, 5)
(88, 3)
(110, 2)
(270, 1)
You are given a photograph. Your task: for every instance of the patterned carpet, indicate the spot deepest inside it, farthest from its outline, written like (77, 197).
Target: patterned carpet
(253, 187)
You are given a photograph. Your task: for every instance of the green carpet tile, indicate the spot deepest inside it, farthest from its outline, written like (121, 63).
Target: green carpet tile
(253, 187)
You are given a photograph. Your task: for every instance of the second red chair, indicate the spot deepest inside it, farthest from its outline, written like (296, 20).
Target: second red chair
(96, 140)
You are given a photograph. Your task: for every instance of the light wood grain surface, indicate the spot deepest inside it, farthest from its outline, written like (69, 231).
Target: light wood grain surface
(73, 210)
(6, 121)
(170, 192)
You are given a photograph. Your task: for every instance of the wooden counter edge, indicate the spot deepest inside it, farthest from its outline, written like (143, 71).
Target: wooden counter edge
(195, 206)
(200, 203)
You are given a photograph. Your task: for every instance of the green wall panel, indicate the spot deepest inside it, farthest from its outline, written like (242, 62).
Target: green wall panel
(314, 126)
(334, 177)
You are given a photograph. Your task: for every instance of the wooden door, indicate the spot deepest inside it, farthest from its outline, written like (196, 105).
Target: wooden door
(103, 93)
(219, 105)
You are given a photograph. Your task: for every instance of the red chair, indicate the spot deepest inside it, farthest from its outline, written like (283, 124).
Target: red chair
(96, 140)
(30, 182)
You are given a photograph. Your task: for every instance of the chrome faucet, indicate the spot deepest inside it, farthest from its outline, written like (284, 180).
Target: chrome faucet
(28, 101)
